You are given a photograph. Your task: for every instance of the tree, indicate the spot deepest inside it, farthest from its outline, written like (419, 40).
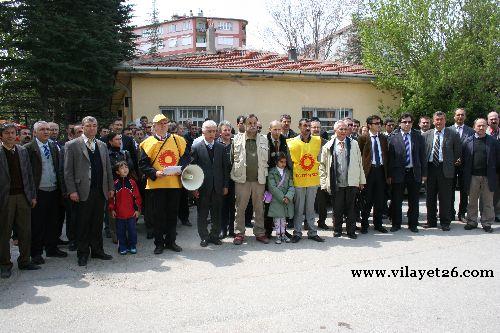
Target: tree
(58, 58)
(439, 55)
(309, 25)
(154, 39)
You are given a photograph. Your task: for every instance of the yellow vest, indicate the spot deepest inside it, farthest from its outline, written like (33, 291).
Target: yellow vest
(305, 160)
(168, 156)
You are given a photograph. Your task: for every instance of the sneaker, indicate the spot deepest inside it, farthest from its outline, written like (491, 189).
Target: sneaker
(278, 240)
(123, 252)
(285, 239)
(133, 250)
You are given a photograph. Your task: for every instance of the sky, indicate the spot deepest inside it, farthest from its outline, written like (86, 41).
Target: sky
(253, 11)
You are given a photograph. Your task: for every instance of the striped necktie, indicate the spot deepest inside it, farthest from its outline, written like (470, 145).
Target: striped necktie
(435, 152)
(46, 151)
(407, 148)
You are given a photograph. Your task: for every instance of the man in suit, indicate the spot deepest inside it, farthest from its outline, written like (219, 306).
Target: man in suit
(424, 124)
(494, 131)
(228, 205)
(374, 148)
(44, 159)
(322, 196)
(443, 152)
(127, 142)
(17, 197)
(481, 160)
(211, 156)
(463, 132)
(286, 131)
(407, 168)
(89, 183)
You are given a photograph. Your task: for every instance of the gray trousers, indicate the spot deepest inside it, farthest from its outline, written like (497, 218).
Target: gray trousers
(304, 200)
(243, 193)
(479, 190)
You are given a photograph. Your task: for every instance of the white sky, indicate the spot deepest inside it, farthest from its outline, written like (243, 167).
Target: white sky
(254, 11)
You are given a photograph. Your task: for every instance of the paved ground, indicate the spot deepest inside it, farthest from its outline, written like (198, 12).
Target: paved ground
(304, 287)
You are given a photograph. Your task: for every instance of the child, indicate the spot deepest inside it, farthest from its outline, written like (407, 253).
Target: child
(280, 184)
(125, 207)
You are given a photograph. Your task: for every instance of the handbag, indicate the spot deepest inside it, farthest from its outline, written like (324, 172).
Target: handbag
(268, 196)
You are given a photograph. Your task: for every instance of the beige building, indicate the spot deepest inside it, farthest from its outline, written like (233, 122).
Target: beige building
(231, 83)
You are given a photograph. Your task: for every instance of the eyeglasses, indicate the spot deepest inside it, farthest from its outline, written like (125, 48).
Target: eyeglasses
(350, 125)
(406, 122)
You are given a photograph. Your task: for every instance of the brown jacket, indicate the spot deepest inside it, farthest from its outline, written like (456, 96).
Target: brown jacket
(365, 146)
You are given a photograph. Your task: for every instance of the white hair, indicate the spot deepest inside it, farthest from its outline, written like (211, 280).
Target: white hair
(37, 125)
(208, 123)
(89, 119)
(338, 123)
(225, 123)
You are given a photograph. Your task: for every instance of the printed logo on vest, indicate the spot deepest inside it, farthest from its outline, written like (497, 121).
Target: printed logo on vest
(307, 162)
(167, 158)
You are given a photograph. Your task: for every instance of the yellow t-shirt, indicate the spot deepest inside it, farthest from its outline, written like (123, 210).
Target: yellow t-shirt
(169, 156)
(305, 160)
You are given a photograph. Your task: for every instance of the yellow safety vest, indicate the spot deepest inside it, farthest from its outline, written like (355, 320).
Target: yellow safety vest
(305, 160)
(168, 156)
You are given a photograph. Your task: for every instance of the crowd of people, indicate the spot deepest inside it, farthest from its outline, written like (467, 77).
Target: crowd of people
(97, 180)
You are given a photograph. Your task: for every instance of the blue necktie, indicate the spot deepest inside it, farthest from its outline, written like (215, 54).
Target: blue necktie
(46, 151)
(376, 150)
(210, 146)
(407, 148)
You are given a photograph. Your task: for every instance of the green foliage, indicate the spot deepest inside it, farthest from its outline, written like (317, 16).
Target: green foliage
(154, 32)
(57, 58)
(439, 55)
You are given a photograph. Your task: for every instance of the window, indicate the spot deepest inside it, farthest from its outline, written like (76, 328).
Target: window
(186, 40)
(186, 25)
(327, 116)
(225, 40)
(225, 26)
(197, 114)
(172, 42)
(171, 28)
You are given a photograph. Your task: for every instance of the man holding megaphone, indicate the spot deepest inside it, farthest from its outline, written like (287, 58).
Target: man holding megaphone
(163, 155)
(211, 157)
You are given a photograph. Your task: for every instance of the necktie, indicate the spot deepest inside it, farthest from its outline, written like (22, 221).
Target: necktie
(341, 143)
(276, 146)
(46, 151)
(460, 130)
(376, 151)
(407, 148)
(210, 146)
(435, 151)
(89, 145)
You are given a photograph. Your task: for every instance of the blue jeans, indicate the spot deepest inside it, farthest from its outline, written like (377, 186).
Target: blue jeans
(124, 228)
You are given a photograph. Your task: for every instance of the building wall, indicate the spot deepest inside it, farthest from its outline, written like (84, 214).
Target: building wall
(268, 99)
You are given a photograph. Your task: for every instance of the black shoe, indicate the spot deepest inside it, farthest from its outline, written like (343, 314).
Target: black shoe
(394, 229)
(102, 256)
(487, 229)
(187, 223)
(82, 261)
(62, 242)
(445, 228)
(72, 246)
(215, 241)
(158, 249)
(316, 238)
(29, 267)
(381, 229)
(204, 243)
(323, 226)
(364, 230)
(413, 229)
(57, 253)
(337, 234)
(352, 236)
(429, 226)
(469, 227)
(295, 239)
(38, 260)
(149, 235)
(5, 273)
(174, 247)
(107, 233)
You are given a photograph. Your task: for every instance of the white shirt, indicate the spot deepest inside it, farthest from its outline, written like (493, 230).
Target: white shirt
(441, 136)
(379, 148)
(281, 171)
(86, 140)
(409, 141)
(207, 143)
(459, 129)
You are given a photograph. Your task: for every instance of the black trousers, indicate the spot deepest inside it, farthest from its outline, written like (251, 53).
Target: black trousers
(61, 216)
(374, 194)
(438, 187)
(183, 213)
(458, 184)
(148, 211)
(45, 222)
(343, 205)
(90, 215)
(228, 210)
(321, 205)
(209, 202)
(71, 214)
(164, 210)
(398, 189)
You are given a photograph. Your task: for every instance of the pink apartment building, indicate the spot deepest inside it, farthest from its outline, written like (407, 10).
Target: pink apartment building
(188, 34)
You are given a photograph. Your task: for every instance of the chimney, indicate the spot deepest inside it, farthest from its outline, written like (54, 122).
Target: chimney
(211, 40)
(190, 12)
(200, 13)
(292, 54)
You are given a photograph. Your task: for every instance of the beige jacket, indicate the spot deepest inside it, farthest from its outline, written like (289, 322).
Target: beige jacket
(238, 155)
(355, 173)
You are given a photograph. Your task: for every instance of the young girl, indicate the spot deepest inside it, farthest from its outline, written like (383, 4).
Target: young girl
(280, 184)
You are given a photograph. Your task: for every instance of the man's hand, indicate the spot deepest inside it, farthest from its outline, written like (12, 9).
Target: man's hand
(286, 200)
(196, 194)
(111, 194)
(113, 214)
(74, 197)
(458, 162)
(33, 203)
(361, 187)
(136, 214)
(226, 191)
(424, 179)
(160, 174)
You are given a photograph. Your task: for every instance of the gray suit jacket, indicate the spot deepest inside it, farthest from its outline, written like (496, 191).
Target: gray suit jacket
(29, 185)
(216, 172)
(451, 147)
(77, 168)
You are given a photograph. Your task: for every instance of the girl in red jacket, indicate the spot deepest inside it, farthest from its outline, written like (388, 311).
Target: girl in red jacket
(125, 207)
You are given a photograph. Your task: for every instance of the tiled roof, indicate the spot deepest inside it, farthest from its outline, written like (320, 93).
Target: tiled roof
(246, 59)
